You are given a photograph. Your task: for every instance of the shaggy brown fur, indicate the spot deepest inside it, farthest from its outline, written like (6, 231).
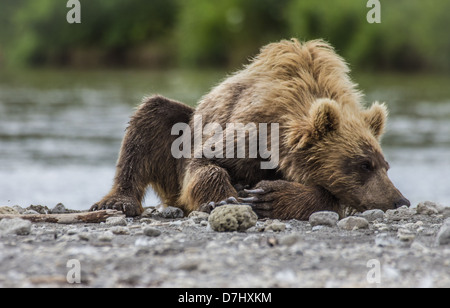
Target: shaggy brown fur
(329, 152)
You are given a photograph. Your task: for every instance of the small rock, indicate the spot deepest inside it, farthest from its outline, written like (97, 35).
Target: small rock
(72, 231)
(290, 239)
(84, 236)
(116, 221)
(383, 240)
(152, 232)
(119, 230)
(198, 217)
(275, 226)
(6, 210)
(19, 209)
(232, 217)
(428, 208)
(372, 215)
(30, 212)
(15, 226)
(353, 223)
(399, 214)
(381, 227)
(106, 236)
(171, 212)
(59, 209)
(405, 235)
(443, 237)
(148, 212)
(40, 209)
(324, 218)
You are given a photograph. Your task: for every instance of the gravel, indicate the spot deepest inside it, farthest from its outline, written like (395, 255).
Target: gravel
(411, 248)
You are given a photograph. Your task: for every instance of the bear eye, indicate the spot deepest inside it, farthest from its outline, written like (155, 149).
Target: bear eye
(366, 166)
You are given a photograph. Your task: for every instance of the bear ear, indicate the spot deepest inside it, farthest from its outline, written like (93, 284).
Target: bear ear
(376, 117)
(324, 118)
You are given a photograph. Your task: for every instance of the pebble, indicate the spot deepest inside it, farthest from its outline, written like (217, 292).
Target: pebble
(171, 212)
(119, 230)
(59, 209)
(290, 239)
(16, 226)
(198, 217)
(106, 236)
(84, 236)
(152, 232)
(30, 212)
(275, 226)
(405, 235)
(6, 210)
(372, 215)
(148, 212)
(19, 209)
(324, 218)
(443, 237)
(72, 231)
(353, 223)
(116, 221)
(232, 217)
(399, 214)
(40, 209)
(428, 208)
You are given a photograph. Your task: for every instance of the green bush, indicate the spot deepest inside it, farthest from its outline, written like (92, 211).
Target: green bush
(413, 34)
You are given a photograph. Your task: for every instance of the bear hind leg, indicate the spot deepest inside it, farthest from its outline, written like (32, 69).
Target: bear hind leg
(145, 157)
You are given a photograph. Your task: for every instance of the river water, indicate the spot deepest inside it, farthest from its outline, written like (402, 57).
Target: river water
(60, 131)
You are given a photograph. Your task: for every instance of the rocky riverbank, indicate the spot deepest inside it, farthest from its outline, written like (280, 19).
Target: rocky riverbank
(407, 247)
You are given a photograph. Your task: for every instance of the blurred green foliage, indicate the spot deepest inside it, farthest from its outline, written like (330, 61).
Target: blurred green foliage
(412, 35)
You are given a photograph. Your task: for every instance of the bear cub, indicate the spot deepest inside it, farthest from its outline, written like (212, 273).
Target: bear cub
(327, 142)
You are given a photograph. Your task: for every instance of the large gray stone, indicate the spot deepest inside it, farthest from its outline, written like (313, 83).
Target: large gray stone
(324, 218)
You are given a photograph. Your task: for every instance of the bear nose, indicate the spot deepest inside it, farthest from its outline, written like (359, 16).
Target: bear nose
(401, 202)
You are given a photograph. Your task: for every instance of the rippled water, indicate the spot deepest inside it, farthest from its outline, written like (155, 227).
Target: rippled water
(60, 131)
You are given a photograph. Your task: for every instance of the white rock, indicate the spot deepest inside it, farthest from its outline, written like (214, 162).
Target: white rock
(405, 235)
(372, 215)
(324, 218)
(116, 221)
(353, 223)
(15, 226)
(428, 208)
(401, 213)
(106, 236)
(119, 230)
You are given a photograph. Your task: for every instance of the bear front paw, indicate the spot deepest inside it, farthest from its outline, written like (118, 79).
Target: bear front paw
(268, 197)
(128, 205)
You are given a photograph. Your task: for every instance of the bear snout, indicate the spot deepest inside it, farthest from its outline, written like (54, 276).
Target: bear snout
(401, 202)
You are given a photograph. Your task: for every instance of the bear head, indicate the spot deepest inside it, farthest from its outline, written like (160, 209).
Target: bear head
(337, 146)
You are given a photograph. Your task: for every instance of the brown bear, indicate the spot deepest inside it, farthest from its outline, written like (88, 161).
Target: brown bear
(328, 151)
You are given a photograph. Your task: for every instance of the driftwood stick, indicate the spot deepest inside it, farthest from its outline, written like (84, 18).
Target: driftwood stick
(72, 218)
